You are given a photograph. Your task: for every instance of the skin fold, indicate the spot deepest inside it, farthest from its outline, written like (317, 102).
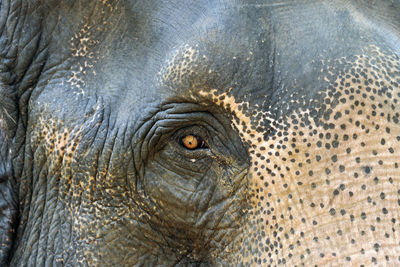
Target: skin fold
(199, 133)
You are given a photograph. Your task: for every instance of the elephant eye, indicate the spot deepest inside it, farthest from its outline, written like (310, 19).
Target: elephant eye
(192, 142)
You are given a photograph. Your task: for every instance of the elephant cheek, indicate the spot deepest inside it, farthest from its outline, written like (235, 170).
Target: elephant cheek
(325, 191)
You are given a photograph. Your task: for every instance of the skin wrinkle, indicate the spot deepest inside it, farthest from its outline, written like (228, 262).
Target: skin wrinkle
(41, 229)
(208, 193)
(42, 173)
(206, 200)
(174, 188)
(159, 175)
(55, 151)
(163, 166)
(98, 172)
(224, 211)
(176, 118)
(109, 173)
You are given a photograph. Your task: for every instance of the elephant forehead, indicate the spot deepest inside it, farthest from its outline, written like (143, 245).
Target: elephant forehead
(325, 179)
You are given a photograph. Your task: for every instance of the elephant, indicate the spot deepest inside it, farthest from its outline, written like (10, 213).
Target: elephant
(199, 133)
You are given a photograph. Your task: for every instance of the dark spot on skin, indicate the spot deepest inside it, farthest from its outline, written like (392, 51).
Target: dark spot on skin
(367, 169)
(341, 168)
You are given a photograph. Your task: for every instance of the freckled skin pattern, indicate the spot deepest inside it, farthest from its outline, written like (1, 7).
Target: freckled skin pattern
(295, 104)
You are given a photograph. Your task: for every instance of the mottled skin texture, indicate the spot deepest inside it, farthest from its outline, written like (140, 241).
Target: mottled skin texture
(297, 103)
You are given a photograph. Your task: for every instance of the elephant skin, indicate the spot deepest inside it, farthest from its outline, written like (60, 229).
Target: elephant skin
(199, 133)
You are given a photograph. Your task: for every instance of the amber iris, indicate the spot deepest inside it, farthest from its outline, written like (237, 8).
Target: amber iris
(190, 142)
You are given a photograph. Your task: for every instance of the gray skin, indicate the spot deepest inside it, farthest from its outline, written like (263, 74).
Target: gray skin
(295, 105)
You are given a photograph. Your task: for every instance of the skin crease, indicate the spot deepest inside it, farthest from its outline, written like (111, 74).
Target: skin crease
(296, 102)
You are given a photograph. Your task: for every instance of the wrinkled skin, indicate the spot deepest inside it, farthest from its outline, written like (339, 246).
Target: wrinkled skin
(297, 104)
